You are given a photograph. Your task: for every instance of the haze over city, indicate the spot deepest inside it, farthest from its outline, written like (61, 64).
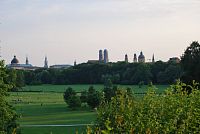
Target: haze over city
(68, 30)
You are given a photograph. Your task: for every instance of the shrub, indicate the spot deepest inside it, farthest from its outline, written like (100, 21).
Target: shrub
(172, 112)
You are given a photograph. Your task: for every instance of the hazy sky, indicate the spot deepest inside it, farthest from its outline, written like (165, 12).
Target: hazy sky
(66, 30)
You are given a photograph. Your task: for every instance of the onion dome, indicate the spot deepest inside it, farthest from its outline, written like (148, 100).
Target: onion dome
(14, 60)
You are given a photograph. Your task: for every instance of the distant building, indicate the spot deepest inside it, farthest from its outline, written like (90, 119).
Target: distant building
(106, 60)
(141, 58)
(126, 58)
(45, 62)
(93, 61)
(174, 60)
(135, 58)
(101, 58)
(16, 65)
(61, 66)
(75, 63)
(153, 59)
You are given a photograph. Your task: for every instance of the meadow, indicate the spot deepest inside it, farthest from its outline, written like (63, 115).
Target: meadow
(47, 107)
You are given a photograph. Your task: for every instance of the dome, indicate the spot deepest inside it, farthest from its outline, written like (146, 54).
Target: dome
(14, 60)
(141, 56)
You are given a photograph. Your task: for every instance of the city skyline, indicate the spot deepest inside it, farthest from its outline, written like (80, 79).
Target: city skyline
(66, 31)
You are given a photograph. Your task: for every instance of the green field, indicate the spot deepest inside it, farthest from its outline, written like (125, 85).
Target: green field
(79, 88)
(45, 108)
(48, 108)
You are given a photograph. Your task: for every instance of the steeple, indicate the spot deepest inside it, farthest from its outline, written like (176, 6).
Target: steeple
(153, 59)
(135, 58)
(27, 60)
(126, 58)
(45, 62)
(75, 63)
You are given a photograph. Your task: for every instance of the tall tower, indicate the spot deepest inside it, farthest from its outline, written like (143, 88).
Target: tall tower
(75, 63)
(126, 58)
(101, 56)
(106, 56)
(45, 62)
(153, 59)
(27, 60)
(135, 58)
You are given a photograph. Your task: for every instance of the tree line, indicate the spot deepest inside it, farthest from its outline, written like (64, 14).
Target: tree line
(120, 72)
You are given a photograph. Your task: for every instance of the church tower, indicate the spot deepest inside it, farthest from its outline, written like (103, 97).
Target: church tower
(153, 59)
(135, 58)
(126, 58)
(45, 62)
(75, 63)
(101, 59)
(106, 56)
(27, 62)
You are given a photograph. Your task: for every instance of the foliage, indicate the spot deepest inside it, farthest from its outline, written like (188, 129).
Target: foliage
(74, 102)
(190, 62)
(172, 112)
(84, 96)
(118, 73)
(94, 97)
(8, 116)
(68, 93)
(109, 90)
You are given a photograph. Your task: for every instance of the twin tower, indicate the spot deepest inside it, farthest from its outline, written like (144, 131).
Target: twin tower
(103, 56)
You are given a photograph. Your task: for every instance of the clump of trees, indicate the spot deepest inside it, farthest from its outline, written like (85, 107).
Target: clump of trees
(176, 111)
(190, 62)
(91, 97)
(8, 115)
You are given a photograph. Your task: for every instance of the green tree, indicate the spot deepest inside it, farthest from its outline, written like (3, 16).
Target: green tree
(109, 90)
(143, 73)
(190, 61)
(94, 97)
(68, 94)
(84, 96)
(8, 116)
(74, 102)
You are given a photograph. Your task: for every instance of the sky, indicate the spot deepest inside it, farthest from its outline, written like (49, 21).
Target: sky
(68, 30)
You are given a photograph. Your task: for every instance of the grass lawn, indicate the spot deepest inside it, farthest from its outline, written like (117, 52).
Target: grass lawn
(48, 108)
(79, 88)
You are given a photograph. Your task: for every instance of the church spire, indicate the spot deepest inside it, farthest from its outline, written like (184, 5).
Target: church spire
(153, 59)
(126, 58)
(27, 62)
(45, 62)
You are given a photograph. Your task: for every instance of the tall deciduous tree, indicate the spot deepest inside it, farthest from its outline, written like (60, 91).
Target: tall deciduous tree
(190, 62)
(7, 115)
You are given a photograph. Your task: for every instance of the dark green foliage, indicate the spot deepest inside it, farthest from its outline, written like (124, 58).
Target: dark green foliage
(109, 90)
(190, 62)
(94, 97)
(118, 73)
(84, 96)
(172, 73)
(8, 116)
(68, 94)
(143, 73)
(74, 102)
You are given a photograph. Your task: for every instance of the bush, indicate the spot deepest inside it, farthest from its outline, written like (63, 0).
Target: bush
(172, 112)
(68, 93)
(74, 102)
